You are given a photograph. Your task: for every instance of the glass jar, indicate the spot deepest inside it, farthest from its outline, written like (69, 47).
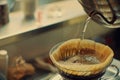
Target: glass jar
(3, 64)
(4, 12)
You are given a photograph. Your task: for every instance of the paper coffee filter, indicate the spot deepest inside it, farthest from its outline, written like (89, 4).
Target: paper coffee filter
(73, 47)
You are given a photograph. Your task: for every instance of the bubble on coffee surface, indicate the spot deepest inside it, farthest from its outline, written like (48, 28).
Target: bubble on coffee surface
(84, 57)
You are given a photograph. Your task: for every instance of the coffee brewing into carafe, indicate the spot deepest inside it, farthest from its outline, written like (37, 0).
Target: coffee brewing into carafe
(105, 12)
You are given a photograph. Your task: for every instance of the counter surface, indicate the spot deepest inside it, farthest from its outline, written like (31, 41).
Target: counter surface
(44, 17)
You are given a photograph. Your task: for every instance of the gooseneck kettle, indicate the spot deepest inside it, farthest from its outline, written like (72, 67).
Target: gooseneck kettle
(105, 12)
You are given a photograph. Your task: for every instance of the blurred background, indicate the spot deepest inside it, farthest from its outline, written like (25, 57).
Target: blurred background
(38, 42)
(15, 4)
(33, 27)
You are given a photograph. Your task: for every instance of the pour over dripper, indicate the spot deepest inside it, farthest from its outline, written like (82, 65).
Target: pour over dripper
(76, 71)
